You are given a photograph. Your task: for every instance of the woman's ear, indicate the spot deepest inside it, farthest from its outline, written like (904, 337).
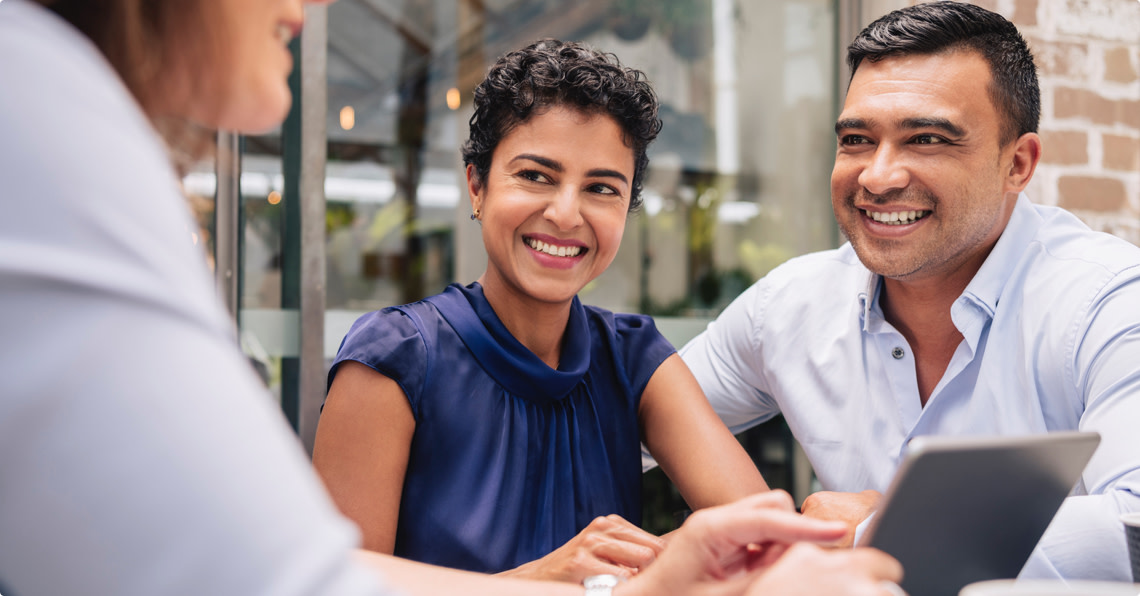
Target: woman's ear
(474, 189)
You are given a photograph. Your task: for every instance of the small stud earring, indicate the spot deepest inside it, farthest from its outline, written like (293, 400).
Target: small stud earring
(475, 215)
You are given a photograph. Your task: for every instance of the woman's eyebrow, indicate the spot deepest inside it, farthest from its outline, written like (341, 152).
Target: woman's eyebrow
(557, 167)
(604, 173)
(540, 160)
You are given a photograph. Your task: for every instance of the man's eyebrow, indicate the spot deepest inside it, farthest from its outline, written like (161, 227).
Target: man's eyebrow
(942, 124)
(939, 123)
(845, 123)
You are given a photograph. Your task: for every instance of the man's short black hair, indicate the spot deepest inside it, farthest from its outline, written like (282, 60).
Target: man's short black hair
(551, 73)
(948, 26)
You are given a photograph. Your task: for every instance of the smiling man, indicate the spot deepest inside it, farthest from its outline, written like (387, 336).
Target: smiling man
(957, 306)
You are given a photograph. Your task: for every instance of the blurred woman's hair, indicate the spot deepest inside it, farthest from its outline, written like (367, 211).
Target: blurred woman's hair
(551, 73)
(153, 45)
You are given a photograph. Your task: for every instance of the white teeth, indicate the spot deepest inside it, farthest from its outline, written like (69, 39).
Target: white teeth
(285, 34)
(550, 249)
(896, 218)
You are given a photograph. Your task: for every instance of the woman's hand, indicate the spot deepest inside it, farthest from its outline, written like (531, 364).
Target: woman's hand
(609, 544)
(807, 570)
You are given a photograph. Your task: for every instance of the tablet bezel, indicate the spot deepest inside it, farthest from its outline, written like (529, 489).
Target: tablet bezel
(963, 509)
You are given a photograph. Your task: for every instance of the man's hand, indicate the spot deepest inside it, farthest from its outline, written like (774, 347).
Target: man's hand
(609, 544)
(849, 508)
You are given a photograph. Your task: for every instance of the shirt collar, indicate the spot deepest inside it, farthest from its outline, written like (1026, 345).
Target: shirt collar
(869, 309)
(985, 289)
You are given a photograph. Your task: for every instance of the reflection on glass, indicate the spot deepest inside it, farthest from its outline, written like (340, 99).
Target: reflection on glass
(198, 188)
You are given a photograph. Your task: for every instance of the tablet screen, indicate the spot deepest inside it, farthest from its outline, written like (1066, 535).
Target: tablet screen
(966, 509)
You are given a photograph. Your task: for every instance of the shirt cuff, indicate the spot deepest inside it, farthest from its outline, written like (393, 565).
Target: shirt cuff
(862, 529)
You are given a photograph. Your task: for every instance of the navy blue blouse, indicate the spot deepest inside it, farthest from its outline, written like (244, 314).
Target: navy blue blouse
(510, 458)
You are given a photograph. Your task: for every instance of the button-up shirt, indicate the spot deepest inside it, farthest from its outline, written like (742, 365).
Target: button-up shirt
(1051, 328)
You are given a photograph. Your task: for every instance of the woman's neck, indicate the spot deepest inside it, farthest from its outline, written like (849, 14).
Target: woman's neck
(538, 325)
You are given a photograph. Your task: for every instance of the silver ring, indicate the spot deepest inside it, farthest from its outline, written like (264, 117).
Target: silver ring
(892, 588)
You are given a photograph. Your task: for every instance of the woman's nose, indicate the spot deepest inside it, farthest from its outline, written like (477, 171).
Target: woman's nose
(564, 210)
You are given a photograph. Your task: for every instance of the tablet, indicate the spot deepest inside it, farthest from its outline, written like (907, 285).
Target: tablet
(966, 509)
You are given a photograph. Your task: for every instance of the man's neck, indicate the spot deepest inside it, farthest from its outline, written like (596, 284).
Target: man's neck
(921, 312)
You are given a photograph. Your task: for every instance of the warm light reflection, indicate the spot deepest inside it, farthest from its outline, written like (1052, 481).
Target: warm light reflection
(453, 98)
(194, 238)
(274, 197)
(347, 117)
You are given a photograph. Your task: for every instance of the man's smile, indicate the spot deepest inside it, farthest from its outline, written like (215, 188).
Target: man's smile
(896, 218)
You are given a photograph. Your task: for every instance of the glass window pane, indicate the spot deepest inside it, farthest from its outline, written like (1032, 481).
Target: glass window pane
(737, 181)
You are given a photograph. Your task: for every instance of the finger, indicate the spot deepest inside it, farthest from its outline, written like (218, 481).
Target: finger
(753, 557)
(776, 499)
(618, 527)
(594, 566)
(765, 555)
(743, 525)
(880, 565)
(623, 553)
(892, 589)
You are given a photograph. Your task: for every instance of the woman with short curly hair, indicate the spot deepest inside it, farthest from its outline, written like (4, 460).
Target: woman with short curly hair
(497, 426)
(551, 73)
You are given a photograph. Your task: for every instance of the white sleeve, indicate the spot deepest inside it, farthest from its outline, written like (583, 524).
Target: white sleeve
(727, 360)
(1086, 537)
(139, 455)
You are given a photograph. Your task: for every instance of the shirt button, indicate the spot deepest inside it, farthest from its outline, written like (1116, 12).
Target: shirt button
(898, 353)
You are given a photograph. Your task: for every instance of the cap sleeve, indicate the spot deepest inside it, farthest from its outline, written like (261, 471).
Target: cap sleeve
(389, 342)
(642, 348)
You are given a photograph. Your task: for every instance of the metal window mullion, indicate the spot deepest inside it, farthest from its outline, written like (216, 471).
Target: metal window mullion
(314, 155)
(304, 153)
(227, 219)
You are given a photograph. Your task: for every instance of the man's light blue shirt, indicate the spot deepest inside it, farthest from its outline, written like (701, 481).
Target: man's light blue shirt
(1051, 327)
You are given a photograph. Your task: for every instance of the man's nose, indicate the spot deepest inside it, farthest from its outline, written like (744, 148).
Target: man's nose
(885, 172)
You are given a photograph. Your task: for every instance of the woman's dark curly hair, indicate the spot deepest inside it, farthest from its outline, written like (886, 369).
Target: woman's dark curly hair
(552, 73)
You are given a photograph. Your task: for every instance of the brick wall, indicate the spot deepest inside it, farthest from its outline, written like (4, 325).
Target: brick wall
(1088, 56)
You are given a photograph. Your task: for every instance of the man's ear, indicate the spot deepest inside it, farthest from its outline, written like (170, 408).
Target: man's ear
(474, 188)
(1026, 155)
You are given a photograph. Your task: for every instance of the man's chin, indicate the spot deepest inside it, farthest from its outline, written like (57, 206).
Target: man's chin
(880, 262)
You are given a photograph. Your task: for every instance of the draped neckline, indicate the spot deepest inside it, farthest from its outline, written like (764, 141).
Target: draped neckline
(517, 369)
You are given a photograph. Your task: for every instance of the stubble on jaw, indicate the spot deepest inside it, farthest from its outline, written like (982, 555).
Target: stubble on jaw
(887, 257)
